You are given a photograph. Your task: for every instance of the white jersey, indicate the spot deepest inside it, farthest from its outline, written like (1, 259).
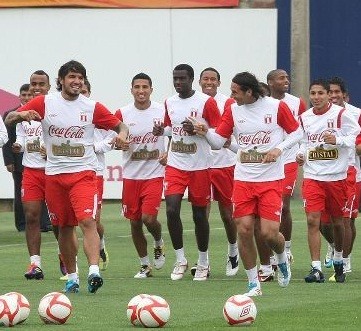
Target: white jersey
(30, 138)
(68, 131)
(223, 157)
(102, 144)
(3, 133)
(296, 106)
(258, 128)
(141, 161)
(326, 162)
(190, 152)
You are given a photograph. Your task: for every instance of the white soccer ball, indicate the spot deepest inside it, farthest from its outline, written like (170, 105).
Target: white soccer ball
(54, 308)
(23, 304)
(153, 312)
(9, 311)
(239, 310)
(132, 308)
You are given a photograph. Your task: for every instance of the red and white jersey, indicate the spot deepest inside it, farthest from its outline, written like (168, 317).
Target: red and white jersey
(102, 144)
(30, 137)
(258, 128)
(223, 157)
(141, 161)
(68, 131)
(190, 152)
(297, 107)
(326, 162)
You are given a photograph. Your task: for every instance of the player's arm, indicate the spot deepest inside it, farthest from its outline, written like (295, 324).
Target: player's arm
(32, 111)
(350, 129)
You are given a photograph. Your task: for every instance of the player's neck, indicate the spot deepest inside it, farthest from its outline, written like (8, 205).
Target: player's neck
(142, 105)
(186, 95)
(278, 95)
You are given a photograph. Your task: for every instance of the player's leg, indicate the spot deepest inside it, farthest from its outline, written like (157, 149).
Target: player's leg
(104, 255)
(265, 271)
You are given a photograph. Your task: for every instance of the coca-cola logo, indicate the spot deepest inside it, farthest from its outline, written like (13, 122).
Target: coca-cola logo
(258, 138)
(74, 132)
(148, 138)
(179, 131)
(33, 132)
(318, 137)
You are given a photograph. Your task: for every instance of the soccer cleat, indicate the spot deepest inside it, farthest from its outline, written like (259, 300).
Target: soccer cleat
(347, 264)
(194, 269)
(265, 276)
(254, 290)
(202, 273)
(71, 287)
(315, 276)
(328, 262)
(159, 257)
(144, 272)
(273, 262)
(284, 274)
(232, 266)
(290, 257)
(103, 259)
(340, 275)
(179, 269)
(62, 266)
(34, 272)
(95, 281)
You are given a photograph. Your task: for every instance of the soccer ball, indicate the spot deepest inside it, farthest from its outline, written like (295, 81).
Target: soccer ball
(54, 308)
(239, 310)
(132, 308)
(9, 311)
(153, 311)
(23, 303)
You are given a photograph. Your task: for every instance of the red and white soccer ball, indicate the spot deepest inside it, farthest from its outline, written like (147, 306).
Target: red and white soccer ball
(9, 311)
(23, 303)
(239, 310)
(132, 308)
(153, 312)
(54, 308)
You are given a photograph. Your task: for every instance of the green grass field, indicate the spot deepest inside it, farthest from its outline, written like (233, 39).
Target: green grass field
(194, 305)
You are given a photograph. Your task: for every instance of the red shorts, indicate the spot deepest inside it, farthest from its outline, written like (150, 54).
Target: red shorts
(100, 187)
(351, 191)
(291, 170)
(356, 205)
(329, 197)
(72, 197)
(263, 199)
(141, 197)
(222, 184)
(198, 182)
(33, 185)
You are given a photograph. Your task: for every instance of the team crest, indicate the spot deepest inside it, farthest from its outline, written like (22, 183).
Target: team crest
(268, 118)
(83, 117)
(157, 121)
(330, 123)
(194, 112)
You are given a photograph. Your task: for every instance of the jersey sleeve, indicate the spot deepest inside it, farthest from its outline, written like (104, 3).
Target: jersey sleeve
(103, 118)
(285, 119)
(302, 108)
(118, 114)
(167, 121)
(228, 103)
(211, 113)
(37, 104)
(225, 127)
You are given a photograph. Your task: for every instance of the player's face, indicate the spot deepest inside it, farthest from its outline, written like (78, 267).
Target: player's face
(209, 83)
(319, 97)
(280, 83)
(182, 82)
(25, 96)
(241, 97)
(141, 91)
(39, 85)
(72, 85)
(336, 95)
(84, 91)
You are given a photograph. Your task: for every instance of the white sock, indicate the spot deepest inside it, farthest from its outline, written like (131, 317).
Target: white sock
(232, 249)
(266, 269)
(203, 259)
(337, 257)
(179, 253)
(252, 275)
(158, 243)
(74, 277)
(288, 246)
(316, 264)
(281, 258)
(93, 269)
(36, 259)
(144, 260)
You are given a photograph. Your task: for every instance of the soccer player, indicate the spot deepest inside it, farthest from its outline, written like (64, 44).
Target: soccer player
(338, 94)
(102, 144)
(222, 171)
(329, 133)
(258, 124)
(68, 119)
(279, 83)
(142, 172)
(187, 167)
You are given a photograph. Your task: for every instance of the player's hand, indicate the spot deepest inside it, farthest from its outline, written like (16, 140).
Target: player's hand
(188, 126)
(329, 138)
(16, 148)
(30, 115)
(43, 153)
(300, 159)
(121, 142)
(163, 159)
(10, 167)
(158, 129)
(272, 155)
(227, 143)
(199, 129)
